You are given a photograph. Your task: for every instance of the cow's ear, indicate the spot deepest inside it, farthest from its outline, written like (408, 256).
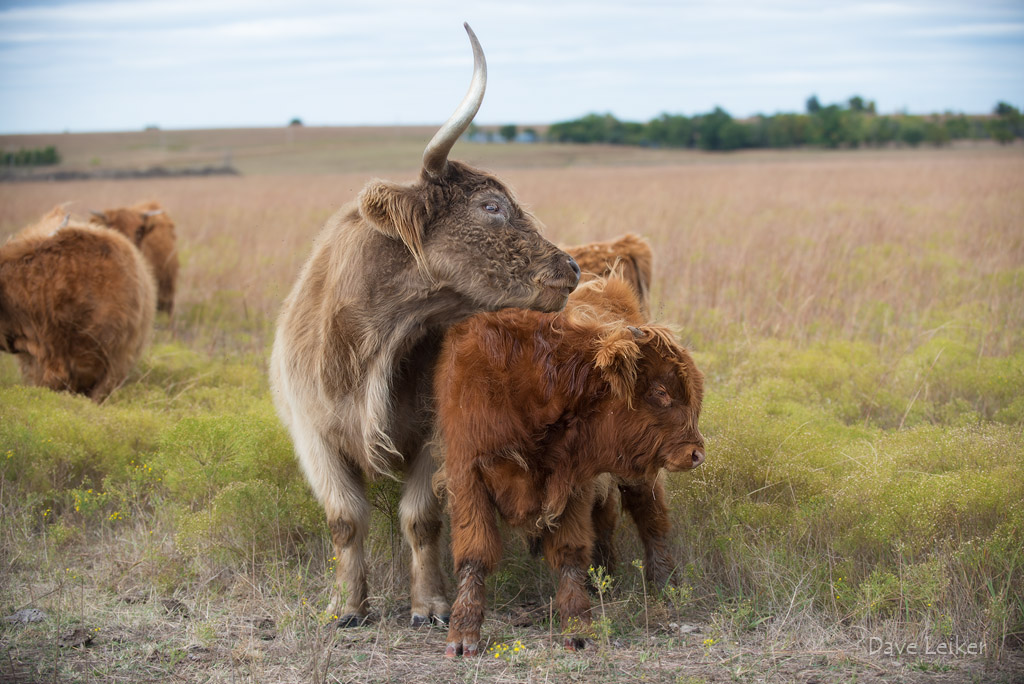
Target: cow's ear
(616, 358)
(398, 211)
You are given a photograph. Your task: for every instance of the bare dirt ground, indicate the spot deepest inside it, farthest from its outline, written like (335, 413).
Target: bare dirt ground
(150, 642)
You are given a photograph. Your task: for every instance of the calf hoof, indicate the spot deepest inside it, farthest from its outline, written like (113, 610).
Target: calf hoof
(454, 649)
(575, 643)
(350, 620)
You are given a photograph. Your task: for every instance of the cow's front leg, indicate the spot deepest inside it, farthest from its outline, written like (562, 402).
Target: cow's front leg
(476, 549)
(420, 513)
(568, 548)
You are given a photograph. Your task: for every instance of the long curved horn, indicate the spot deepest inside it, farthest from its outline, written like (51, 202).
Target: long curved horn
(152, 212)
(435, 157)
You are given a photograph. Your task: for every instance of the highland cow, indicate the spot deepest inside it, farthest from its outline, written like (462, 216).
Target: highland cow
(628, 255)
(531, 409)
(151, 229)
(76, 305)
(358, 337)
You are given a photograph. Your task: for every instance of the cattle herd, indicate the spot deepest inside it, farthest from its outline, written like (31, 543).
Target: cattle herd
(433, 335)
(77, 298)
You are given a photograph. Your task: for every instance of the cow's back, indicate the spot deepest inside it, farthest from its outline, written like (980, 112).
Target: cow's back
(85, 300)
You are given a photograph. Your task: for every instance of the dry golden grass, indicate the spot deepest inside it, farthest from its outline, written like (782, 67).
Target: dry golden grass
(755, 253)
(866, 243)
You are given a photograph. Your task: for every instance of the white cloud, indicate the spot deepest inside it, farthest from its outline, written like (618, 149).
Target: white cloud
(408, 62)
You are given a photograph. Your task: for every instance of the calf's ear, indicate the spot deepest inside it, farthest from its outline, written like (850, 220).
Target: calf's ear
(398, 211)
(617, 356)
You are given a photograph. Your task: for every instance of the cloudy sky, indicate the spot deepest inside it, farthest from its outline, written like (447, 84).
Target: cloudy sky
(99, 65)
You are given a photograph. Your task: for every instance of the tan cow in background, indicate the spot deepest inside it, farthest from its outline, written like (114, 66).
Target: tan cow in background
(150, 227)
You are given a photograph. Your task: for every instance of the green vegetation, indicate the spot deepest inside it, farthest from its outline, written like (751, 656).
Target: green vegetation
(851, 124)
(860, 323)
(41, 156)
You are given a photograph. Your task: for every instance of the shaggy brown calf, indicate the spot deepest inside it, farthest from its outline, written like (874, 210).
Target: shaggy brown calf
(357, 339)
(149, 226)
(629, 256)
(76, 305)
(532, 408)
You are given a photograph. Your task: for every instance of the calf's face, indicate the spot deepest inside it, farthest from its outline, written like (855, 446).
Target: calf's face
(672, 409)
(662, 391)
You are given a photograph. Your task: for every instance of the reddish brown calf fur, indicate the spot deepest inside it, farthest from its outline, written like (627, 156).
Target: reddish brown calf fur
(532, 408)
(149, 226)
(76, 305)
(629, 256)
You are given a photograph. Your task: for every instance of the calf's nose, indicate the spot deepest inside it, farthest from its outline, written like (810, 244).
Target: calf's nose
(697, 456)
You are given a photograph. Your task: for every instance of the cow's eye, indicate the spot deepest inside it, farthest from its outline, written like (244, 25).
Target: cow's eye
(492, 208)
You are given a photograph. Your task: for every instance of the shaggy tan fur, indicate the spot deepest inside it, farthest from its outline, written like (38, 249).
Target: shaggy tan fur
(150, 227)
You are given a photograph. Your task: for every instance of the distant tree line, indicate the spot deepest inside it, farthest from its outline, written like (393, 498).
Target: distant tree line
(40, 156)
(851, 124)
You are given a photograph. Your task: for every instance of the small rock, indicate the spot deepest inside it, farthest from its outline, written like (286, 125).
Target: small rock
(684, 628)
(197, 653)
(26, 616)
(80, 636)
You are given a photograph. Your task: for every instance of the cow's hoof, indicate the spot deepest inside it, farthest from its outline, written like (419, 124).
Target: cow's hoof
(350, 620)
(429, 621)
(575, 643)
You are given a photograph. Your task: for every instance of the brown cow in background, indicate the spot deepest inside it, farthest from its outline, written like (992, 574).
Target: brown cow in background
(532, 409)
(629, 256)
(76, 305)
(149, 226)
(359, 334)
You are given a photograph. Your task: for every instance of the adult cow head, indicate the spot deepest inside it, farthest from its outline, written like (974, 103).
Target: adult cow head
(465, 228)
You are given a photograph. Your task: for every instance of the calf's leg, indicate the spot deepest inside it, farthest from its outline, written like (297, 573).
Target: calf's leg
(647, 504)
(604, 519)
(476, 549)
(568, 548)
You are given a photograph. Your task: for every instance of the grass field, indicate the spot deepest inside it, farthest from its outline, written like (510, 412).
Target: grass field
(859, 316)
